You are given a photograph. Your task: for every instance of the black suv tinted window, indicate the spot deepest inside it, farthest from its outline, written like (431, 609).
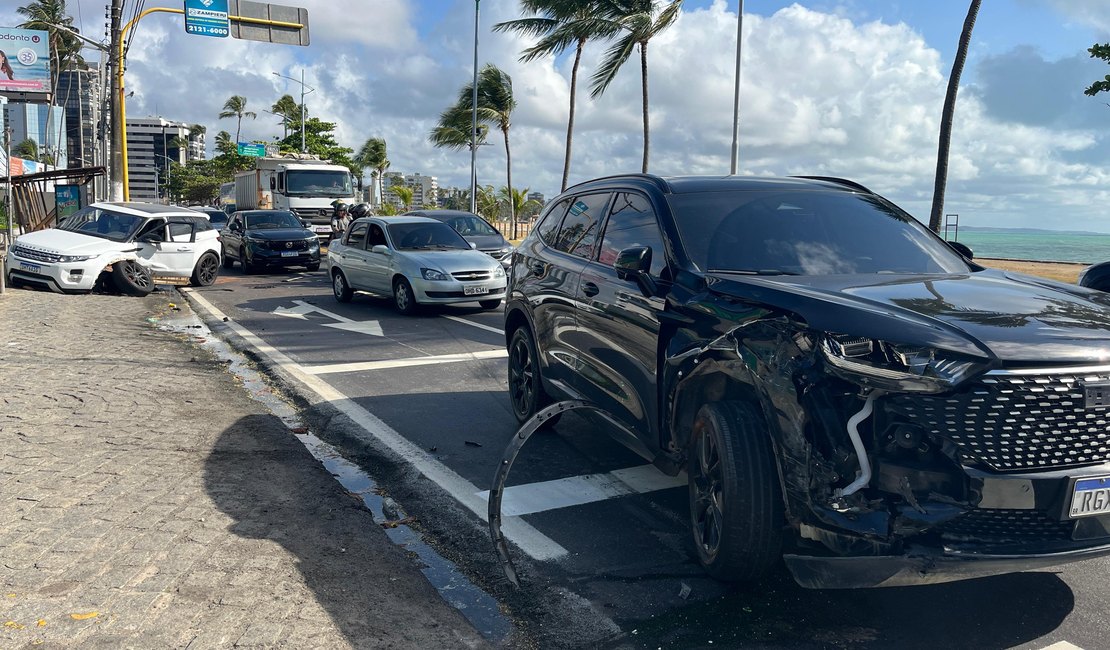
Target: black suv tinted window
(548, 226)
(806, 233)
(632, 223)
(578, 233)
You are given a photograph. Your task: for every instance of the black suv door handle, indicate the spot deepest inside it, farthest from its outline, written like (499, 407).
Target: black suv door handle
(590, 289)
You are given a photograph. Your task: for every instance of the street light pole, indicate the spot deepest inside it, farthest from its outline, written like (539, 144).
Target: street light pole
(736, 93)
(115, 62)
(304, 149)
(474, 122)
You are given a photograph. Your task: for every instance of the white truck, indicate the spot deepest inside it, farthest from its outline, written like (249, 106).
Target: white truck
(301, 183)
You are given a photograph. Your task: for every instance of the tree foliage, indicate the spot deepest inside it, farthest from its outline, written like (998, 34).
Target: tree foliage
(319, 141)
(1098, 51)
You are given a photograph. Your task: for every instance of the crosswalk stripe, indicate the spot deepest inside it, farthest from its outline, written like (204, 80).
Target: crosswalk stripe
(579, 490)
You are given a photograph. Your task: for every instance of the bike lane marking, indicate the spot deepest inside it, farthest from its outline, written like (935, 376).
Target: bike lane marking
(527, 538)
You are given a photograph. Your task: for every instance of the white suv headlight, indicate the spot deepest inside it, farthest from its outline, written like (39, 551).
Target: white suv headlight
(76, 258)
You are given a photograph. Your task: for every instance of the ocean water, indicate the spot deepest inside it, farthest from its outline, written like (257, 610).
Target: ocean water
(1044, 245)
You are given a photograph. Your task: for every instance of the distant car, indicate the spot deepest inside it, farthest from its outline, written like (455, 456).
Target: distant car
(475, 230)
(217, 217)
(259, 238)
(416, 260)
(128, 245)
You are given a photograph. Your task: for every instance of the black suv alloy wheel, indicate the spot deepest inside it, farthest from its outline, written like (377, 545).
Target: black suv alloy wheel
(525, 391)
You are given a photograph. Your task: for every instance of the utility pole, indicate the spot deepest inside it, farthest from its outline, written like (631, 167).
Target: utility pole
(114, 102)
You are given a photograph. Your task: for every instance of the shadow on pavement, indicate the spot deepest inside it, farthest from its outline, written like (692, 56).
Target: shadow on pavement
(260, 475)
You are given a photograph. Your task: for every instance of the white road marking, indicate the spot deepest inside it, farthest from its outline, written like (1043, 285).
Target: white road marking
(528, 539)
(405, 363)
(578, 490)
(371, 327)
(1062, 645)
(480, 326)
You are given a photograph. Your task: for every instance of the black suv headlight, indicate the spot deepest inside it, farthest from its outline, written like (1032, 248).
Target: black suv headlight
(896, 367)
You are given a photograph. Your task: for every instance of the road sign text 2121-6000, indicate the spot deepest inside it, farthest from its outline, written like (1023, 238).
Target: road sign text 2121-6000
(206, 17)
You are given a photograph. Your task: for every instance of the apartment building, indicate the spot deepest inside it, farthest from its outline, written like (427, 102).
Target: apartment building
(152, 144)
(425, 189)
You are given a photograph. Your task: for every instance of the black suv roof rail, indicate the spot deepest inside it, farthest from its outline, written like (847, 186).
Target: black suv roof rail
(651, 178)
(839, 181)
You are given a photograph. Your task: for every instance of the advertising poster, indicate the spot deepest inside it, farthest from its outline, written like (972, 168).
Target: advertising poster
(24, 60)
(67, 200)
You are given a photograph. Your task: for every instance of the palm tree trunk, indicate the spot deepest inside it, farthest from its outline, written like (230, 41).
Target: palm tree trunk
(643, 74)
(238, 126)
(509, 180)
(941, 182)
(570, 120)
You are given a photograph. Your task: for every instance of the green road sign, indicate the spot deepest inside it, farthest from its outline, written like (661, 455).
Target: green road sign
(251, 149)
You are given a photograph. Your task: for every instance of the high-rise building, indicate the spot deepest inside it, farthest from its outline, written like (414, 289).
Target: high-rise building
(152, 143)
(537, 197)
(42, 124)
(425, 189)
(79, 93)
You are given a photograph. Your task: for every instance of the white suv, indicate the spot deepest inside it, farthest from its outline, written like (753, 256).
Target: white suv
(130, 245)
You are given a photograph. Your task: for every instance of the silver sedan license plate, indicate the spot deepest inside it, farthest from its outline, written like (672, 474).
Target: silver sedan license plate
(1091, 496)
(475, 290)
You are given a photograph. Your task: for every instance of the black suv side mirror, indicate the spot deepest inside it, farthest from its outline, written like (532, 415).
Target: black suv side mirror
(634, 264)
(962, 249)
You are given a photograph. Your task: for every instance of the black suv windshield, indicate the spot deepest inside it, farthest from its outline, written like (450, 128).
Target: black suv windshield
(271, 220)
(105, 224)
(806, 233)
(426, 235)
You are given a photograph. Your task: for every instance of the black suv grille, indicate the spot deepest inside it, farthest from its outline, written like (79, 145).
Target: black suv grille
(1018, 422)
(295, 245)
(997, 525)
(32, 254)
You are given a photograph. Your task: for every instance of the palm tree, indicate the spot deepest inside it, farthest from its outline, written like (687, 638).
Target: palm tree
(404, 193)
(640, 20)
(224, 144)
(517, 200)
(495, 107)
(559, 24)
(941, 181)
(487, 203)
(287, 109)
(453, 128)
(236, 106)
(373, 155)
(28, 150)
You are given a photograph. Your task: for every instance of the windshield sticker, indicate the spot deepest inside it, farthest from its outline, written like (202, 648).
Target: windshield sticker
(578, 208)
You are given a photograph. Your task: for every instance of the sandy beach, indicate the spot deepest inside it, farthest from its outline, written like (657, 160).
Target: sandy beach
(1062, 271)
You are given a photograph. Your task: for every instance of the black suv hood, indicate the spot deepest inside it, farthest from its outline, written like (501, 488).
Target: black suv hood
(280, 234)
(1015, 318)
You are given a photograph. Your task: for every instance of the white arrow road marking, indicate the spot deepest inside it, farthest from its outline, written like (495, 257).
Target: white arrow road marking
(516, 530)
(577, 490)
(1062, 645)
(294, 312)
(371, 327)
(405, 363)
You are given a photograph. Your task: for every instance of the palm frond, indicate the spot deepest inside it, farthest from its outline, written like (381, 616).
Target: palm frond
(607, 71)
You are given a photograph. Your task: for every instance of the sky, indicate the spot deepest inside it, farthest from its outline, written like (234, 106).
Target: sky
(849, 88)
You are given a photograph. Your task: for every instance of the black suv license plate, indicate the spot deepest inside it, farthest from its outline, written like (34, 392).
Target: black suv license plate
(1091, 496)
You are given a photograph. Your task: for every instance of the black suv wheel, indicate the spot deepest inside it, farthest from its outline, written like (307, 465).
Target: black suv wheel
(525, 388)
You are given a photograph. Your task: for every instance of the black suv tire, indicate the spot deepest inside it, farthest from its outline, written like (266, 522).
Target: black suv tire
(736, 510)
(526, 394)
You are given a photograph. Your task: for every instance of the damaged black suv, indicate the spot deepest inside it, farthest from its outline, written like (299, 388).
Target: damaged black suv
(843, 388)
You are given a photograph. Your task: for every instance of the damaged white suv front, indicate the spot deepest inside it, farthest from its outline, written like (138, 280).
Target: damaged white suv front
(126, 246)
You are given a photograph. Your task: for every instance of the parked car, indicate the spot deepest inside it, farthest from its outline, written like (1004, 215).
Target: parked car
(843, 389)
(1096, 276)
(260, 238)
(127, 245)
(416, 260)
(216, 216)
(475, 230)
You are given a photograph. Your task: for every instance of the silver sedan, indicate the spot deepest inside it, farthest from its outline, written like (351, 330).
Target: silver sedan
(415, 260)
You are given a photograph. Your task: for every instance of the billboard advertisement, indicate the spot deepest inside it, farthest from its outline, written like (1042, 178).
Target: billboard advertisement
(24, 60)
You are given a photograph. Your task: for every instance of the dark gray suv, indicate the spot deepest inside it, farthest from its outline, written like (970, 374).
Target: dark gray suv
(843, 388)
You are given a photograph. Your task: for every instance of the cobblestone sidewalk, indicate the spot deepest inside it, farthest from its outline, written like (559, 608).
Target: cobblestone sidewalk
(146, 501)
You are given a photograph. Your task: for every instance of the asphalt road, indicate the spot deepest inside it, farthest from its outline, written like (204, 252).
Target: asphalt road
(594, 520)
